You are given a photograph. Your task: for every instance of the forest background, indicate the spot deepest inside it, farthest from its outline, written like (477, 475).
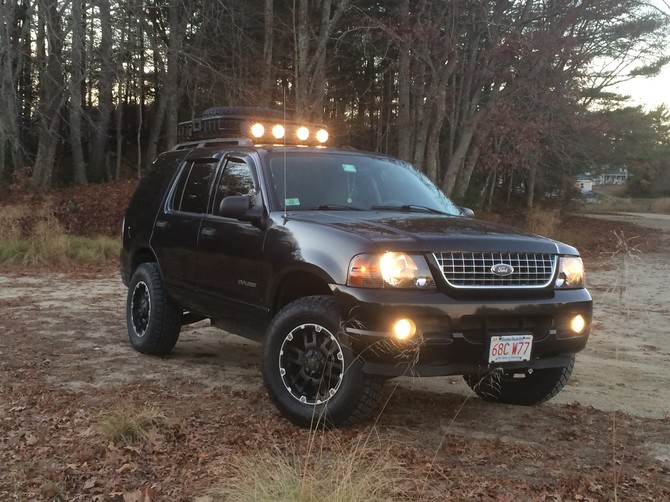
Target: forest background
(492, 99)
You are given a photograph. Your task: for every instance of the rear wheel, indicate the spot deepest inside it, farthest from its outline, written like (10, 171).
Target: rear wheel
(524, 387)
(153, 320)
(310, 372)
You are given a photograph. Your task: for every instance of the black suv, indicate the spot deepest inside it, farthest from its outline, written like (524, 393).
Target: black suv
(350, 267)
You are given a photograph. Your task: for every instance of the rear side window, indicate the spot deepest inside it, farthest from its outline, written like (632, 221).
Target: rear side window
(191, 194)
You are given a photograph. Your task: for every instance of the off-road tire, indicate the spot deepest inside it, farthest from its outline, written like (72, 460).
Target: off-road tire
(526, 389)
(353, 398)
(152, 318)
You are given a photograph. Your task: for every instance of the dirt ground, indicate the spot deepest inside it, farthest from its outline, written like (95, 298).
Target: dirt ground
(65, 361)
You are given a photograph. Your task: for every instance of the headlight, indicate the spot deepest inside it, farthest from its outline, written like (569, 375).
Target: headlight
(570, 273)
(398, 270)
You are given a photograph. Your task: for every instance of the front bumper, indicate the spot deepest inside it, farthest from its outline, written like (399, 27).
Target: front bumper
(453, 334)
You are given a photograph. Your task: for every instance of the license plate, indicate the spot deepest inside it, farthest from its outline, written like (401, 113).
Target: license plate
(510, 348)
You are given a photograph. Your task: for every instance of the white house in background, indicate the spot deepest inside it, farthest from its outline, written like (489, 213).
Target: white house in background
(584, 183)
(612, 176)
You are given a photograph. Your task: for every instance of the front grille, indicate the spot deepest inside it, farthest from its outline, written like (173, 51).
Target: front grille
(474, 270)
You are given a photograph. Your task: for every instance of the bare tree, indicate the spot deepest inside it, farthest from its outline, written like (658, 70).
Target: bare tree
(76, 79)
(98, 163)
(52, 91)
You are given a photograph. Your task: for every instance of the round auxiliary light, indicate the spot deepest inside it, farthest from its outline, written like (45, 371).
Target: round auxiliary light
(578, 324)
(257, 130)
(322, 135)
(404, 329)
(278, 131)
(302, 133)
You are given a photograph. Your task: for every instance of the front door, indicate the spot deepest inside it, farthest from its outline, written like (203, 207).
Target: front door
(230, 268)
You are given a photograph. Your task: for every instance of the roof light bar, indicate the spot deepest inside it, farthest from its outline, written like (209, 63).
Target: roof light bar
(261, 128)
(257, 130)
(278, 131)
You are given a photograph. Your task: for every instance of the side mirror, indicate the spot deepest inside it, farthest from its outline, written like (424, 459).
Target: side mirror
(240, 207)
(235, 206)
(467, 212)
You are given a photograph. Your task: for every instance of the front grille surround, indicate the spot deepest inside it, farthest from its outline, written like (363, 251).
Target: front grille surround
(472, 270)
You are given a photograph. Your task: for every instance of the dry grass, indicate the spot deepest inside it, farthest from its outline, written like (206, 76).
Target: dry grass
(543, 222)
(661, 206)
(123, 426)
(630, 205)
(33, 236)
(359, 474)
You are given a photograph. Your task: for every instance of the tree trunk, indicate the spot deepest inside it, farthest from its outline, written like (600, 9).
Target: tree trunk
(530, 184)
(10, 63)
(302, 49)
(267, 82)
(98, 161)
(404, 123)
(464, 179)
(177, 21)
(458, 157)
(76, 79)
(52, 92)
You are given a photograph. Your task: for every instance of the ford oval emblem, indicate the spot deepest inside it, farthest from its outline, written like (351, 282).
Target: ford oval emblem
(502, 269)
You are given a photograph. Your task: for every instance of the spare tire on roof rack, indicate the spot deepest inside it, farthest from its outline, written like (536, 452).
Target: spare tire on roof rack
(244, 111)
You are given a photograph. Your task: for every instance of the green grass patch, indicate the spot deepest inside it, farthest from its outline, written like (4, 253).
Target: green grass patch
(59, 250)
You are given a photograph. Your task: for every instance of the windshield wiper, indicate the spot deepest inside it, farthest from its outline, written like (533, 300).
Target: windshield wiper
(338, 207)
(409, 208)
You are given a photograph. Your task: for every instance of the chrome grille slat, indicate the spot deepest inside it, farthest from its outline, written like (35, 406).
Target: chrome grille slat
(473, 270)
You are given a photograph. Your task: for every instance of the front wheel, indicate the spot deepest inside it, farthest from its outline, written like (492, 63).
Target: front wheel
(152, 319)
(309, 370)
(525, 387)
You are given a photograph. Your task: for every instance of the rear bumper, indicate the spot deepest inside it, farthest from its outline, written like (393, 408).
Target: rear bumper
(453, 335)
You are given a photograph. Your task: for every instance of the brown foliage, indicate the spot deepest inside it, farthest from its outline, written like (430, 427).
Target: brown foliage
(84, 210)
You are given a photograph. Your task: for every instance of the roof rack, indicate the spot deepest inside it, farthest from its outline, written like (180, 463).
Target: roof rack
(213, 142)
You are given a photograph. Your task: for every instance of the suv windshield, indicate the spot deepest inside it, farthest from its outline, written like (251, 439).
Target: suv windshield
(331, 181)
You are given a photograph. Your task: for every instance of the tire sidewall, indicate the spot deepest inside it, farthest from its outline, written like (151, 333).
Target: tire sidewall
(338, 408)
(147, 274)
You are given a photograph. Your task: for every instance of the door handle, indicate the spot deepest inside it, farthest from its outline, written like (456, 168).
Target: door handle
(162, 224)
(208, 232)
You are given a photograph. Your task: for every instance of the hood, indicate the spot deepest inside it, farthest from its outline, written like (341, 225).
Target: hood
(431, 232)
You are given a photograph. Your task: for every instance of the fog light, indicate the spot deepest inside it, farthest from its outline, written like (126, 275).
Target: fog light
(578, 324)
(404, 329)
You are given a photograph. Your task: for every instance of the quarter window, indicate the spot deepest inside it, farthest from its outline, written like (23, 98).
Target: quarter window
(193, 187)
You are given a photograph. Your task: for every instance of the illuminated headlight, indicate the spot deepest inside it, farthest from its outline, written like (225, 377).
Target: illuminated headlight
(257, 130)
(278, 131)
(398, 270)
(570, 273)
(302, 133)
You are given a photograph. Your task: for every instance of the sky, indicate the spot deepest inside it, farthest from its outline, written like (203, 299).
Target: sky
(649, 92)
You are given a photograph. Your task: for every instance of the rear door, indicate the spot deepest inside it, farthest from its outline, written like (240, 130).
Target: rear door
(176, 230)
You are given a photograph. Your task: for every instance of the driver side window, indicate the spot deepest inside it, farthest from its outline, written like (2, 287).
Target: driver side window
(236, 179)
